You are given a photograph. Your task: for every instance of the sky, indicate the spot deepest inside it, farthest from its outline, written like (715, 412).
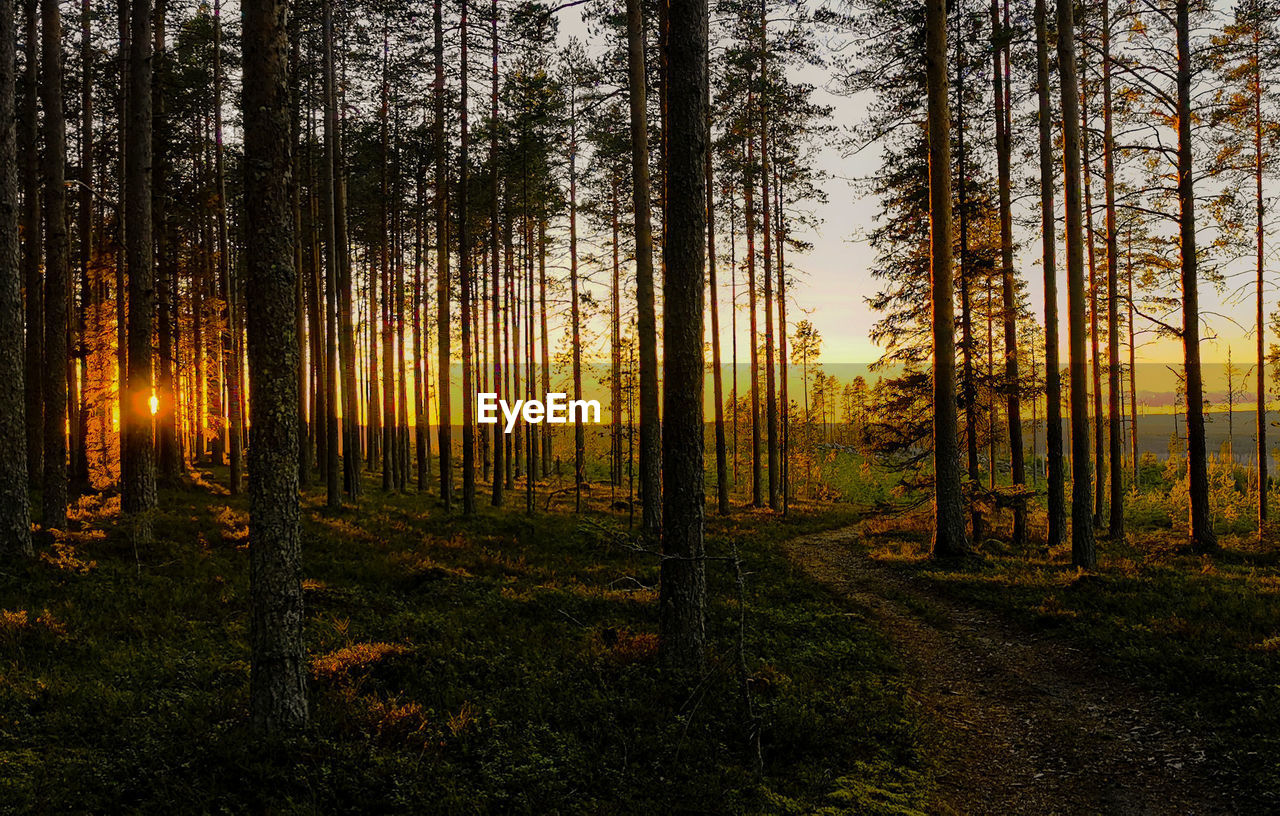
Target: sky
(834, 282)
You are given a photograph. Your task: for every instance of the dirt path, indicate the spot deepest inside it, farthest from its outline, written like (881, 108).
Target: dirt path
(1021, 724)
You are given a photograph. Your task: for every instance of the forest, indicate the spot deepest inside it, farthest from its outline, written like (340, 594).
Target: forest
(705, 406)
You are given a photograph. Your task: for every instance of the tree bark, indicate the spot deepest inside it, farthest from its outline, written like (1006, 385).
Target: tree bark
(444, 414)
(1009, 305)
(949, 528)
(1203, 538)
(1116, 522)
(32, 239)
(15, 510)
(646, 315)
(464, 275)
(1048, 222)
(1083, 547)
(54, 374)
(682, 642)
(277, 686)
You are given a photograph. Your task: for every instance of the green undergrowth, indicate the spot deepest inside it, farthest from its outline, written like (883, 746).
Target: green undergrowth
(1202, 631)
(497, 665)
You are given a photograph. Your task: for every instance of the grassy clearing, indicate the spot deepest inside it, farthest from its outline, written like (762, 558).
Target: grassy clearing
(498, 665)
(1205, 631)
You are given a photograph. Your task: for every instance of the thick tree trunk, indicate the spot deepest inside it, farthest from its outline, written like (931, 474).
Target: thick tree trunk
(949, 533)
(646, 315)
(1203, 538)
(138, 494)
(277, 686)
(15, 510)
(54, 373)
(32, 240)
(682, 599)
(1083, 547)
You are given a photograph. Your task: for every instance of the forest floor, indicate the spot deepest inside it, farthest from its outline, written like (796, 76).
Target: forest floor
(1023, 719)
(500, 664)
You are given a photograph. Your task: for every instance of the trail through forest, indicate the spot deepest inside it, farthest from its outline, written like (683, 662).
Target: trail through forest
(1020, 722)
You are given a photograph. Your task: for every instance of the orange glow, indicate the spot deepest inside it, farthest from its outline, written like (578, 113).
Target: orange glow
(155, 404)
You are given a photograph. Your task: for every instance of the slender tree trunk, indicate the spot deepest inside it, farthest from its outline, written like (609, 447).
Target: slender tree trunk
(15, 509)
(84, 215)
(1095, 358)
(1133, 376)
(444, 413)
(544, 336)
(717, 377)
(1203, 538)
(1009, 305)
(1261, 366)
(748, 194)
(969, 393)
(579, 434)
(332, 262)
(949, 533)
(682, 642)
(1083, 547)
(346, 308)
(277, 685)
(1116, 522)
(464, 273)
(785, 429)
(1052, 366)
(766, 237)
(647, 322)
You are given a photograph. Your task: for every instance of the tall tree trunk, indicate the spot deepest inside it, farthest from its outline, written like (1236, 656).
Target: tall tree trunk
(1133, 373)
(949, 528)
(544, 336)
(1009, 305)
(646, 315)
(332, 262)
(54, 373)
(346, 308)
(138, 494)
(682, 642)
(748, 194)
(1052, 367)
(579, 432)
(780, 234)
(231, 368)
(32, 240)
(1260, 211)
(1083, 547)
(277, 685)
(498, 346)
(170, 455)
(1203, 538)
(1116, 522)
(464, 274)
(1095, 358)
(84, 216)
(444, 414)
(969, 391)
(15, 510)
(717, 377)
(766, 237)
